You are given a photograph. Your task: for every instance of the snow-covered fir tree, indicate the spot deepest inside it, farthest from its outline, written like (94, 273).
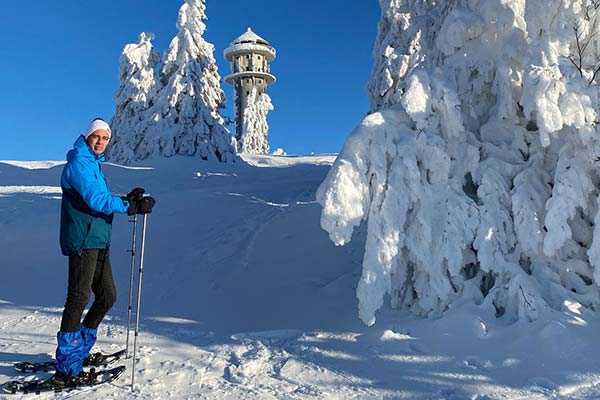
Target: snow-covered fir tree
(189, 120)
(181, 113)
(255, 127)
(475, 171)
(135, 98)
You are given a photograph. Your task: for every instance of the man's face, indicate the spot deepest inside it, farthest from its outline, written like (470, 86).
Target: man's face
(98, 141)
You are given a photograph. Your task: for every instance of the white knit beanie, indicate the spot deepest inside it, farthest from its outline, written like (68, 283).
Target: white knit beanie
(95, 125)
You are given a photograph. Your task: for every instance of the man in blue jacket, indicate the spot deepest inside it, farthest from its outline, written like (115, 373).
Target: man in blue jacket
(87, 211)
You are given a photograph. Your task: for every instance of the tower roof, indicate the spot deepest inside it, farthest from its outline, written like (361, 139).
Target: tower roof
(249, 42)
(249, 37)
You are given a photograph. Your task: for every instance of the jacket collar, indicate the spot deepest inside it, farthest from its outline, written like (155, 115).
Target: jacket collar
(81, 149)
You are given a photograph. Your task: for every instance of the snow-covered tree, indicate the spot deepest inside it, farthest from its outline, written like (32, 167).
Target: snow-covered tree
(135, 98)
(179, 110)
(188, 115)
(475, 170)
(255, 127)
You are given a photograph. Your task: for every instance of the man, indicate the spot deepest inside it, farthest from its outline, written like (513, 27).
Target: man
(87, 211)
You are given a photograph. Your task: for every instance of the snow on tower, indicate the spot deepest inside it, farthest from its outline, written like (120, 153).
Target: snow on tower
(249, 56)
(255, 127)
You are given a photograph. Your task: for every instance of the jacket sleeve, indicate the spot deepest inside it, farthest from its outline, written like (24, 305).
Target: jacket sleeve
(83, 179)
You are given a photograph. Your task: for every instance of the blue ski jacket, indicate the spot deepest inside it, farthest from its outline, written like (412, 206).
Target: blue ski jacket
(87, 207)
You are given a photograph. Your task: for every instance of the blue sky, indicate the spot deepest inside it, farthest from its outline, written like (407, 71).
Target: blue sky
(59, 64)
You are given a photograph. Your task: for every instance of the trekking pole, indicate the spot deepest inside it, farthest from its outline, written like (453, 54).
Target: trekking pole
(129, 309)
(139, 297)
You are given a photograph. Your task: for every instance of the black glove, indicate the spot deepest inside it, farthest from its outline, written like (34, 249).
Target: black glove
(145, 205)
(135, 195)
(133, 198)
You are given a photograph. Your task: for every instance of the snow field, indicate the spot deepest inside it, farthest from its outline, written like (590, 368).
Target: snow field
(245, 297)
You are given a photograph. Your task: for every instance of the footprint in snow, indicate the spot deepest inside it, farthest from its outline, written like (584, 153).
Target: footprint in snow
(450, 394)
(275, 336)
(476, 363)
(409, 344)
(544, 385)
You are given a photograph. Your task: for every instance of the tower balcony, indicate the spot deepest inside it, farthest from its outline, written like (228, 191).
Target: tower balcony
(249, 74)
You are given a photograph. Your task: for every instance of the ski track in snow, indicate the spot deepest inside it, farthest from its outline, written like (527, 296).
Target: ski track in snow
(245, 297)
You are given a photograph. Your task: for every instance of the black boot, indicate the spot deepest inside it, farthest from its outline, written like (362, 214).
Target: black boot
(94, 360)
(61, 380)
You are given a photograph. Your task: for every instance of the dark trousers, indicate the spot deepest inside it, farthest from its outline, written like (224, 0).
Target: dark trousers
(89, 271)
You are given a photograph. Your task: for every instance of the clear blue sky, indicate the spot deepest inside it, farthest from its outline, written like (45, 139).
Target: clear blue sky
(59, 65)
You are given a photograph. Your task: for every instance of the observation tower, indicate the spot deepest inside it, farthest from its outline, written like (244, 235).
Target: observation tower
(249, 56)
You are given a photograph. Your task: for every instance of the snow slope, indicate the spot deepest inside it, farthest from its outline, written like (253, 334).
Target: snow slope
(245, 297)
